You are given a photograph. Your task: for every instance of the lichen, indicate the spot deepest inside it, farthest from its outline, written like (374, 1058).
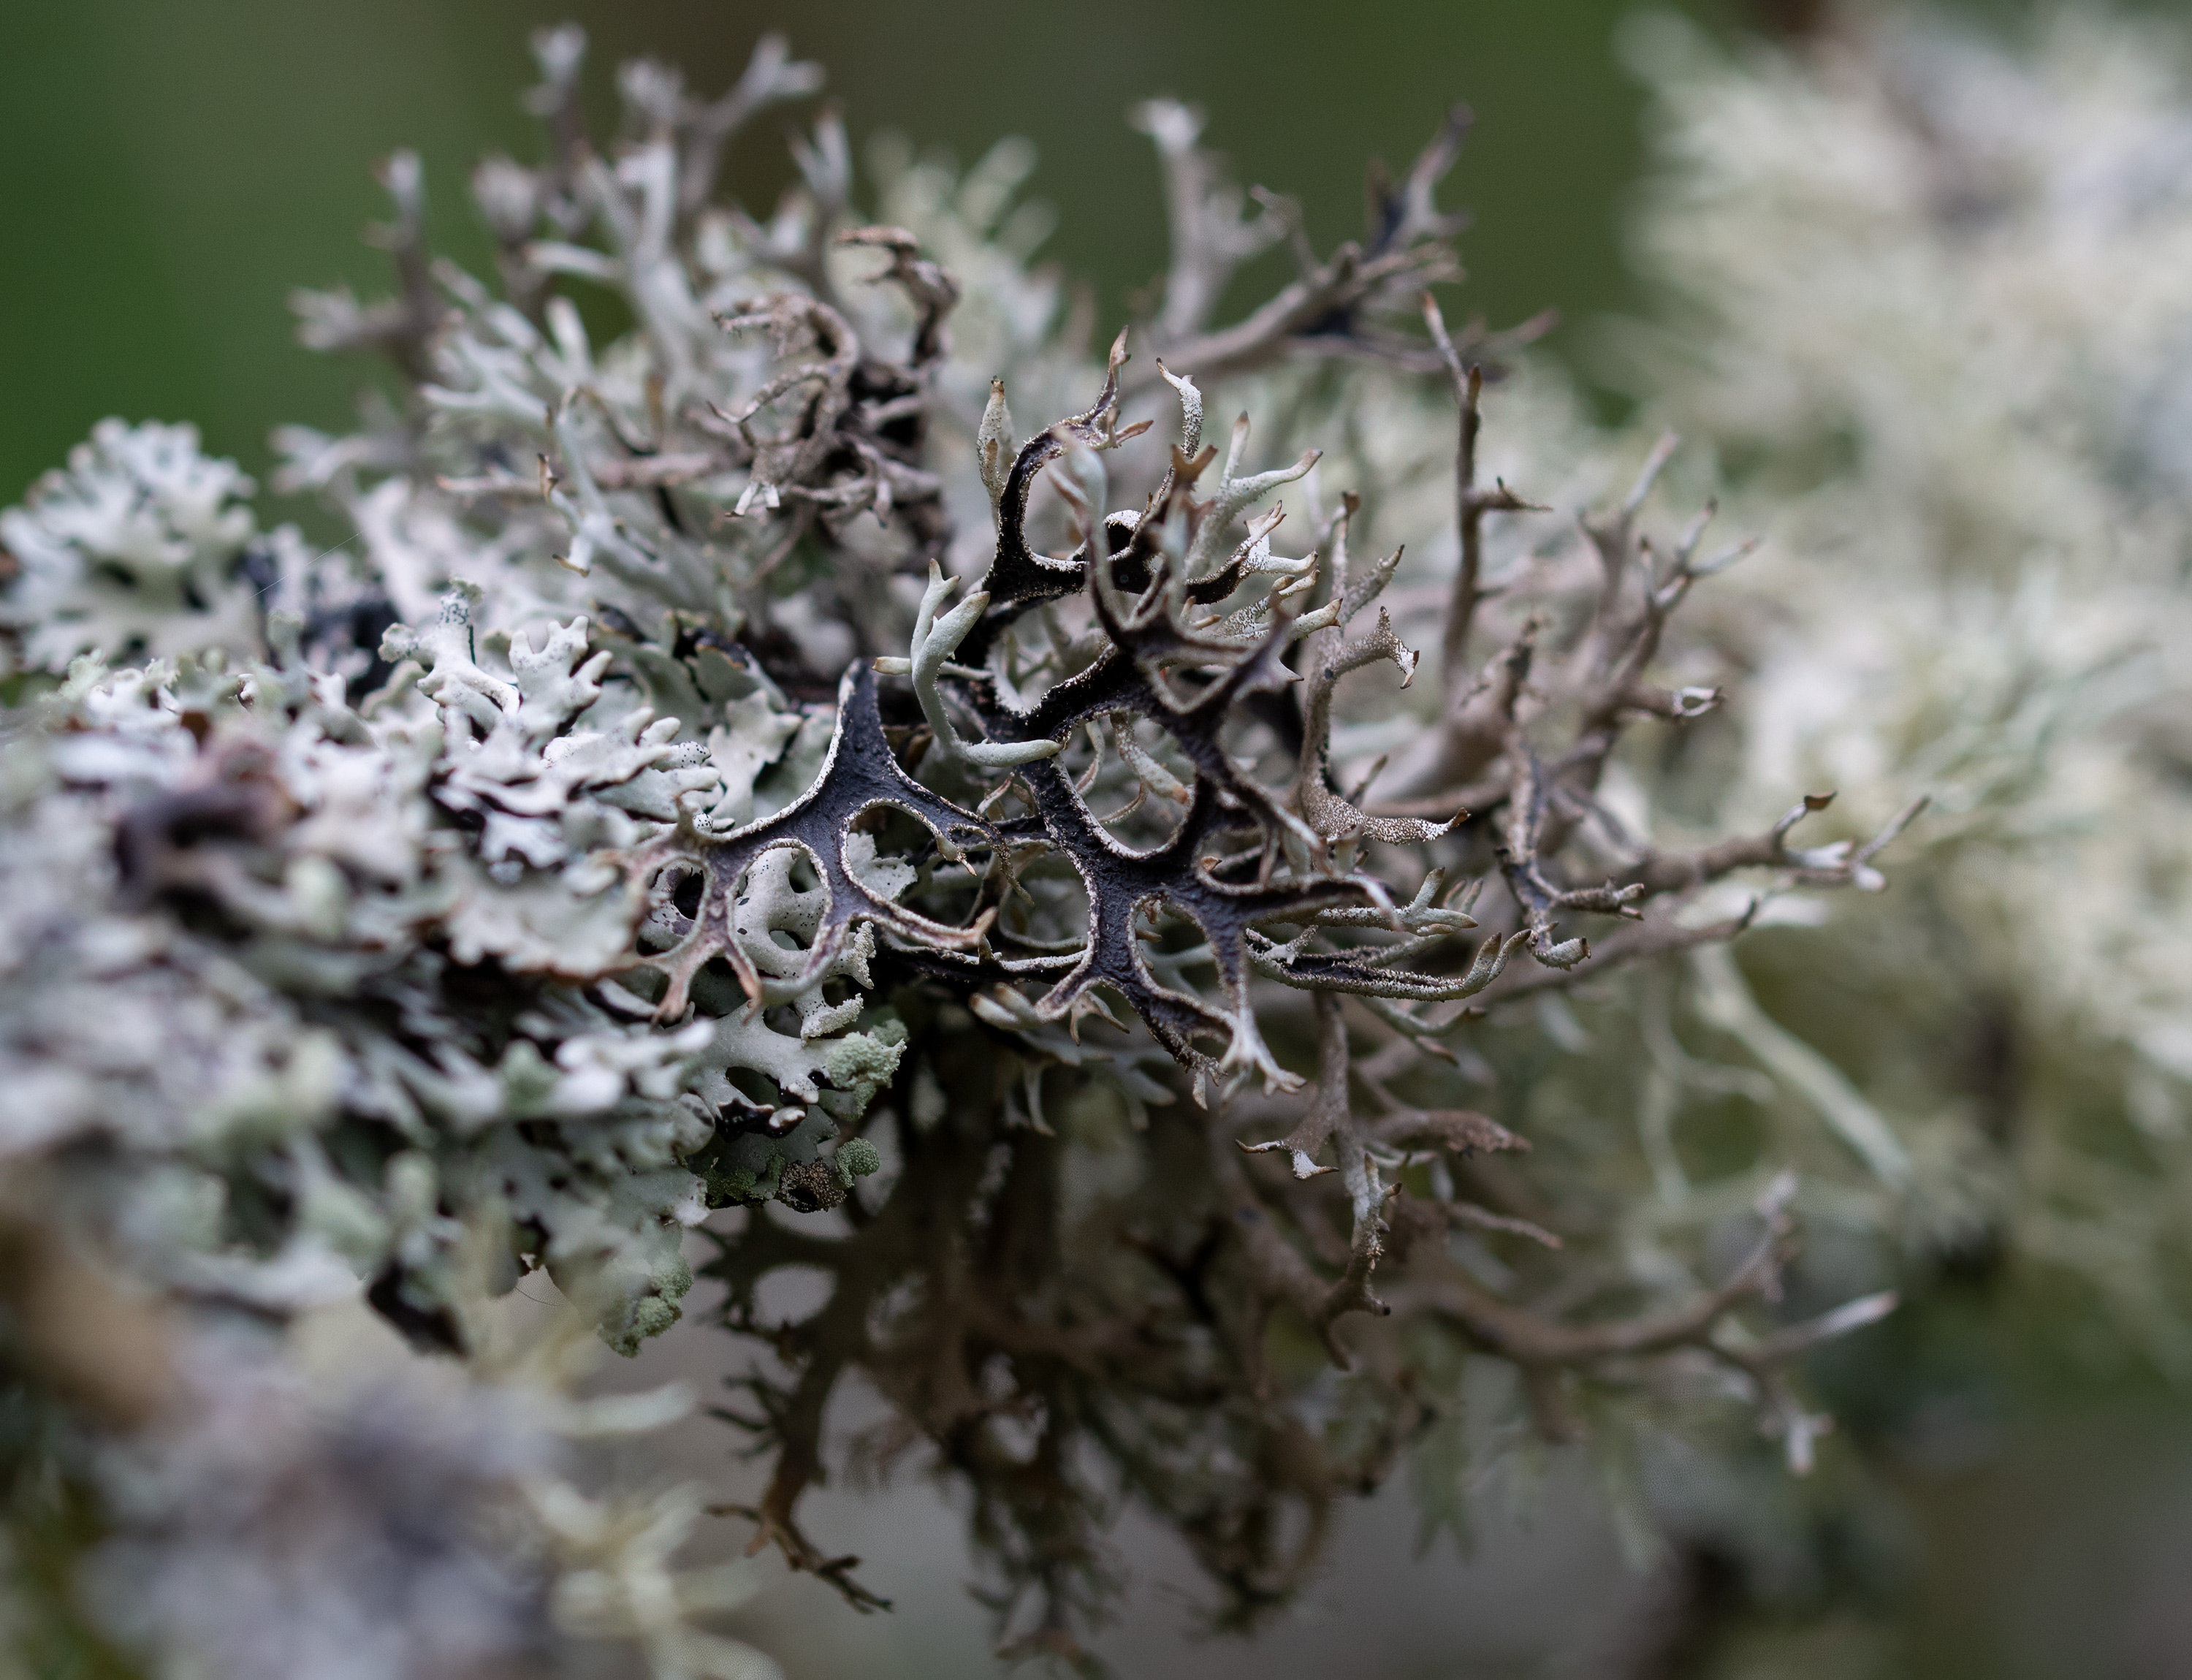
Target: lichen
(638, 832)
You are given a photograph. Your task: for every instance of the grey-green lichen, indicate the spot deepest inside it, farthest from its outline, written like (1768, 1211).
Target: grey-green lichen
(553, 881)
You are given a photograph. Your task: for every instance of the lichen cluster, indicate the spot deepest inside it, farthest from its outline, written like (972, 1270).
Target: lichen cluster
(737, 789)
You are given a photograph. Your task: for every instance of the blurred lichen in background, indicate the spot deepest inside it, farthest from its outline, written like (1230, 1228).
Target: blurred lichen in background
(742, 794)
(1923, 291)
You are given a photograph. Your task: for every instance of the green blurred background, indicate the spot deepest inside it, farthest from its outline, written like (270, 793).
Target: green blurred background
(169, 171)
